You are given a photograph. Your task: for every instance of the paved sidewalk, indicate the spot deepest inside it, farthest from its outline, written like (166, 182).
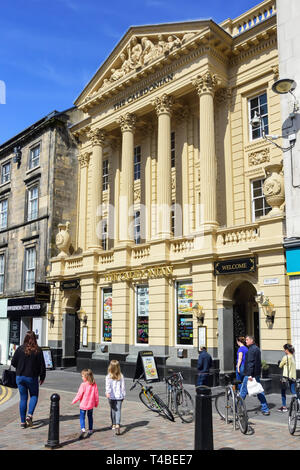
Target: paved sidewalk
(141, 429)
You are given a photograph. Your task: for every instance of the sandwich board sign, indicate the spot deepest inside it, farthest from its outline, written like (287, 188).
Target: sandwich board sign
(146, 366)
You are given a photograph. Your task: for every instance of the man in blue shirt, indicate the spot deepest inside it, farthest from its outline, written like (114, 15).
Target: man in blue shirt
(203, 366)
(252, 371)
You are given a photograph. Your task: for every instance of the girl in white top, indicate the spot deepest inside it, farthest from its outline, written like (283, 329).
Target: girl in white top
(115, 392)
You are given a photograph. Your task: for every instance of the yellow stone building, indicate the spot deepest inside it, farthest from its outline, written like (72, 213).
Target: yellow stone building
(180, 217)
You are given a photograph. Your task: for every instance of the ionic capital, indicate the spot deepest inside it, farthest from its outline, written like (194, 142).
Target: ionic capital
(206, 83)
(127, 122)
(97, 137)
(84, 159)
(163, 104)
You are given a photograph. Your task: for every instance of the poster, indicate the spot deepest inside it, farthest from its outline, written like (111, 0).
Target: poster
(201, 337)
(142, 314)
(85, 336)
(149, 368)
(107, 315)
(185, 313)
(48, 358)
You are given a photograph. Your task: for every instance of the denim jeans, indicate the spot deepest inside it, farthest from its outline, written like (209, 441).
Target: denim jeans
(27, 385)
(203, 378)
(260, 396)
(283, 391)
(115, 411)
(240, 375)
(90, 419)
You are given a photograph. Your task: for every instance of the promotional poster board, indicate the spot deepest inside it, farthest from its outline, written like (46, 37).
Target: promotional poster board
(146, 367)
(48, 358)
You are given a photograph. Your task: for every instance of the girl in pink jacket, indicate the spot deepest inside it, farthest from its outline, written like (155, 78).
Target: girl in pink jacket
(88, 396)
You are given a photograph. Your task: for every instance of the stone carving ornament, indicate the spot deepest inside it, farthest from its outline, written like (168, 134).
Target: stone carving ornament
(206, 83)
(274, 188)
(63, 240)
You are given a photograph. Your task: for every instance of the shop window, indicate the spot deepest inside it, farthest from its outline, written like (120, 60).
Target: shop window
(259, 106)
(3, 213)
(2, 270)
(34, 157)
(5, 173)
(172, 149)
(30, 268)
(137, 163)
(107, 314)
(142, 314)
(105, 175)
(260, 206)
(184, 313)
(32, 203)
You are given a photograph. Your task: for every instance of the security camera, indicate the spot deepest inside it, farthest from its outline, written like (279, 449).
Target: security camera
(256, 120)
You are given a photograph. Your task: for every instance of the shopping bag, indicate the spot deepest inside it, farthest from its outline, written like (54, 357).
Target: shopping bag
(9, 378)
(254, 387)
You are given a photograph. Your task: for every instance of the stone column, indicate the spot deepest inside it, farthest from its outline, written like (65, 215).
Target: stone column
(163, 107)
(82, 218)
(97, 137)
(127, 123)
(206, 85)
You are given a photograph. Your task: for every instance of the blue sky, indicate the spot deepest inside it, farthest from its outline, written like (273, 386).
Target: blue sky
(50, 49)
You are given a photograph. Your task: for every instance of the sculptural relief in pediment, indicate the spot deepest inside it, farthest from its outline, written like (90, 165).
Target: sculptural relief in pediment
(139, 52)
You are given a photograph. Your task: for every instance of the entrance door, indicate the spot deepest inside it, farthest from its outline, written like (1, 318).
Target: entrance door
(239, 325)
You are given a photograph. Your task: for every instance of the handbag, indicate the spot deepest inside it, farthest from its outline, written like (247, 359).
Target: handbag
(254, 387)
(9, 378)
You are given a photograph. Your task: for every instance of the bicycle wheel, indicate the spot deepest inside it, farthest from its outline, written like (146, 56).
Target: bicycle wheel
(147, 399)
(163, 407)
(184, 406)
(241, 414)
(220, 404)
(293, 415)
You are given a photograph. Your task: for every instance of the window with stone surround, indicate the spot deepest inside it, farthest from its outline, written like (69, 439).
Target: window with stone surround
(3, 213)
(173, 150)
(260, 206)
(105, 175)
(30, 267)
(104, 234)
(33, 203)
(34, 157)
(5, 172)
(258, 105)
(137, 163)
(2, 270)
(137, 227)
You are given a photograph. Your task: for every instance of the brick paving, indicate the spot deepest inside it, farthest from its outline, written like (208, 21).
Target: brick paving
(141, 429)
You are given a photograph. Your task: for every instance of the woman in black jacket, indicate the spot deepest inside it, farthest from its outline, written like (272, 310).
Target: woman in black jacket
(30, 366)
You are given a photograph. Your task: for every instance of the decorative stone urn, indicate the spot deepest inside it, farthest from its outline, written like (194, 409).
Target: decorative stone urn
(274, 188)
(63, 240)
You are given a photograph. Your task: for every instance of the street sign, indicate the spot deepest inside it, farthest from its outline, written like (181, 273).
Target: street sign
(42, 292)
(71, 284)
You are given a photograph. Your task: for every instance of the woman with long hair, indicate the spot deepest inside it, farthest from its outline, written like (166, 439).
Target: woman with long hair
(241, 356)
(115, 392)
(30, 366)
(288, 366)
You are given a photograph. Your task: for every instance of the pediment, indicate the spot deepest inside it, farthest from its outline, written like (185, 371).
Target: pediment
(140, 49)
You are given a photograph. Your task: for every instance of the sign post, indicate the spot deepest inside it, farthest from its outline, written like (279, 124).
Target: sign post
(146, 366)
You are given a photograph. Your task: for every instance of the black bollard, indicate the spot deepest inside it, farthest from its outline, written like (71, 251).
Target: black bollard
(53, 432)
(203, 421)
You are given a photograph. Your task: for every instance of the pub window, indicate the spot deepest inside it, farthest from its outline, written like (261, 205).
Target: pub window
(258, 105)
(30, 267)
(172, 149)
(260, 207)
(104, 234)
(137, 163)
(2, 270)
(5, 172)
(106, 314)
(34, 157)
(3, 213)
(137, 227)
(142, 314)
(105, 175)
(184, 313)
(33, 203)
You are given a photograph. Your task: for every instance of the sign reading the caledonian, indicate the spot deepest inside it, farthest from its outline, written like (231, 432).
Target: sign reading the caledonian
(152, 272)
(144, 91)
(242, 265)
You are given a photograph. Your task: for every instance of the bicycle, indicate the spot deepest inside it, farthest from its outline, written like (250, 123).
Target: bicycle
(180, 401)
(294, 410)
(230, 405)
(152, 401)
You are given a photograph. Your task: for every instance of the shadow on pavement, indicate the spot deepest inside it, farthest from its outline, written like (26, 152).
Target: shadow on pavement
(39, 423)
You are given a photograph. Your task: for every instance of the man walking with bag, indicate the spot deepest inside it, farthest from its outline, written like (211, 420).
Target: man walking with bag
(252, 371)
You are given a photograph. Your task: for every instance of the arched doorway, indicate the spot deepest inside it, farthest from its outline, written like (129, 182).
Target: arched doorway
(71, 331)
(238, 315)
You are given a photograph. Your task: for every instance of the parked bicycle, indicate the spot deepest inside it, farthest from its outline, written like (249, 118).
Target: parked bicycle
(230, 405)
(152, 401)
(294, 411)
(180, 401)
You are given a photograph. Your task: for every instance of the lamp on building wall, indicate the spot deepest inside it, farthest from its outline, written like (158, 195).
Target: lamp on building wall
(82, 316)
(51, 318)
(199, 314)
(281, 87)
(267, 308)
